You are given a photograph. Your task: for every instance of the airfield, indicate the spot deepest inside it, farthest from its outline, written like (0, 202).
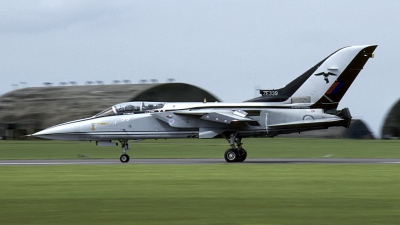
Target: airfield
(187, 181)
(195, 161)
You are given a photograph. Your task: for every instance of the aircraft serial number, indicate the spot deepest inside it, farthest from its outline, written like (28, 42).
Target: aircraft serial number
(270, 93)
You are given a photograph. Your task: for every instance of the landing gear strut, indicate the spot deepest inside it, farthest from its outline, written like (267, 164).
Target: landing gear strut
(236, 153)
(124, 158)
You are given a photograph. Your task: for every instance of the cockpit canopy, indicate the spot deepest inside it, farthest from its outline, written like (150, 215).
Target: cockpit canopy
(131, 108)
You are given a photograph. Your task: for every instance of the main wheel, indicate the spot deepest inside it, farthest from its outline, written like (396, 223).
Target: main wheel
(231, 155)
(242, 155)
(124, 158)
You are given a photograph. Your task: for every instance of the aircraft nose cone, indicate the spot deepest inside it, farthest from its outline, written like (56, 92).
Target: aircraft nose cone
(60, 132)
(45, 133)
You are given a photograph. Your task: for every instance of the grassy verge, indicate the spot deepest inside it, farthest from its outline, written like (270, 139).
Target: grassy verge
(210, 148)
(200, 194)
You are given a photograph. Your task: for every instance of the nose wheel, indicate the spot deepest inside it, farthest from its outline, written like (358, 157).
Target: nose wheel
(124, 158)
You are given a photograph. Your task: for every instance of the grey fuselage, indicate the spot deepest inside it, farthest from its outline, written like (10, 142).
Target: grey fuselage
(200, 120)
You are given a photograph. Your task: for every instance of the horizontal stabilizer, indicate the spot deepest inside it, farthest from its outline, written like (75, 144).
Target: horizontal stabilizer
(306, 123)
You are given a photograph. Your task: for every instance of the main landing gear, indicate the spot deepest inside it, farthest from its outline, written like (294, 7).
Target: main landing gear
(236, 153)
(124, 158)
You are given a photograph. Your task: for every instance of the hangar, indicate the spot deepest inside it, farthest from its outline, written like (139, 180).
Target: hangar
(31, 109)
(391, 126)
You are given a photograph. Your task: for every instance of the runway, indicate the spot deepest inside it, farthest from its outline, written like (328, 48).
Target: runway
(198, 161)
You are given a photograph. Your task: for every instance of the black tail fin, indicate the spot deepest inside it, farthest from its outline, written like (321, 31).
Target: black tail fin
(316, 86)
(338, 88)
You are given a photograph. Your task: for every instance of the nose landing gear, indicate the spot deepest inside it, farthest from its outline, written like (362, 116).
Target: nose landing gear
(124, 158)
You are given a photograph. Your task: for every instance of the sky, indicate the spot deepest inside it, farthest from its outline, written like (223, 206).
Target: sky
(229, 48)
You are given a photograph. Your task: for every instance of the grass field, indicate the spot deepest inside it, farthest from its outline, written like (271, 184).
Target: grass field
(200, 194)
(209, 148)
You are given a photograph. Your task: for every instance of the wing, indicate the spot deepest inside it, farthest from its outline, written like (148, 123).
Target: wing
(226, 117)
(190, 119)
(319, 74)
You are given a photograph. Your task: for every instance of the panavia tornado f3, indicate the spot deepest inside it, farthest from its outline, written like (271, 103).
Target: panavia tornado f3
(309, 102)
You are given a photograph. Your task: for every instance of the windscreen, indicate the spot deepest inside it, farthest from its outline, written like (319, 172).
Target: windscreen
(106, 112)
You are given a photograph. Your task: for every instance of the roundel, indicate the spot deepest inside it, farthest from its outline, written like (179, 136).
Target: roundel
(308, 118)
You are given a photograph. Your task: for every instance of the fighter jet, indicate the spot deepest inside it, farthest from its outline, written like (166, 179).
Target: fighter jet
(306, 103)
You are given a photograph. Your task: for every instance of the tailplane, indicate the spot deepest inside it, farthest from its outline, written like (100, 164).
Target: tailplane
(323, 85)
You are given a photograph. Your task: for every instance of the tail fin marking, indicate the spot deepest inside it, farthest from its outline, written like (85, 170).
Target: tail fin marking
(324, 84)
